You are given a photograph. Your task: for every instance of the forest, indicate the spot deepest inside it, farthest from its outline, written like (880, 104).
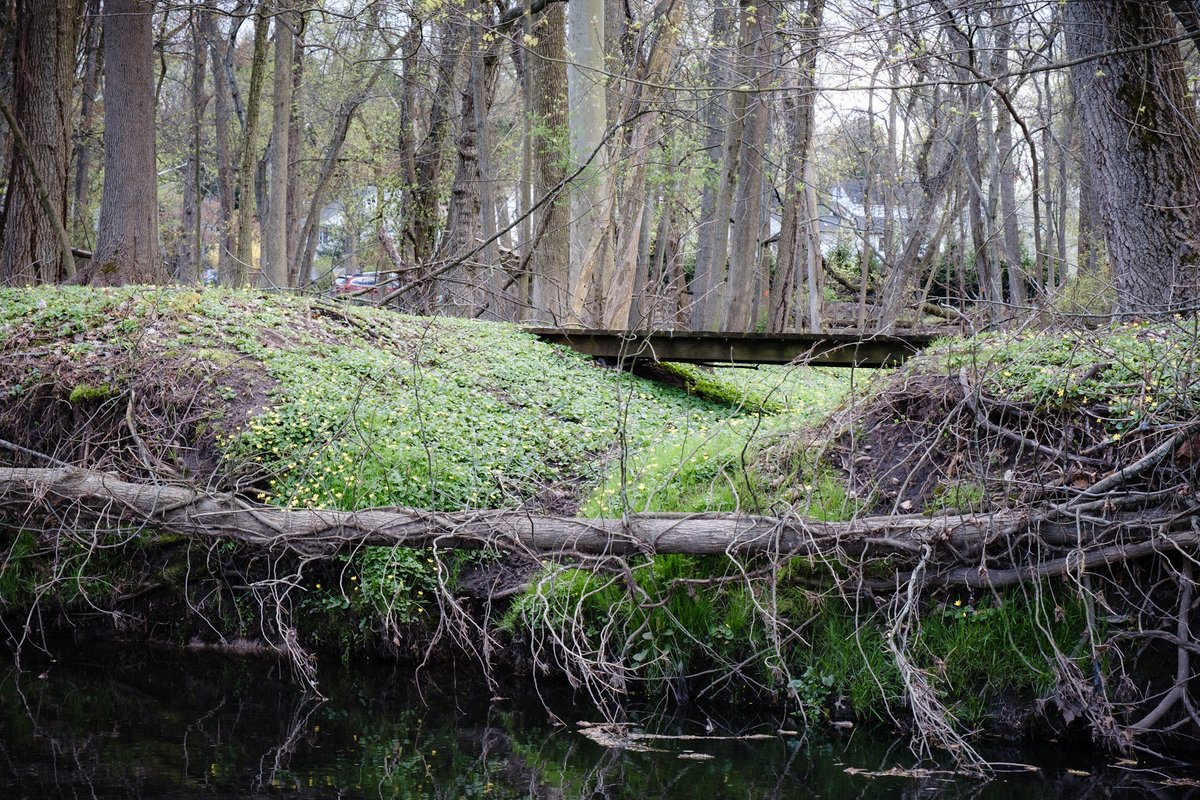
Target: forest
(780, 166)
(271, 279)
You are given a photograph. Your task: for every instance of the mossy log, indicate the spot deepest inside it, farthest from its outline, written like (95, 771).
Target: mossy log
(83, 499)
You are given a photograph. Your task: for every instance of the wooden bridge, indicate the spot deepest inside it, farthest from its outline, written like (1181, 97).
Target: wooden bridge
(872, 351)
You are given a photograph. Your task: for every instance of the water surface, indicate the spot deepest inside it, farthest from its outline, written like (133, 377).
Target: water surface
(111, 722)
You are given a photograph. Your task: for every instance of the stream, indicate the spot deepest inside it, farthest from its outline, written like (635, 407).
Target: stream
(129, 722)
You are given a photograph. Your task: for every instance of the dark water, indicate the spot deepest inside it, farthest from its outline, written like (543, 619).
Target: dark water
(111, 723)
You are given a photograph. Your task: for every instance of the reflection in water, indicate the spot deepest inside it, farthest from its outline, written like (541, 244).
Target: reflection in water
(111, 723)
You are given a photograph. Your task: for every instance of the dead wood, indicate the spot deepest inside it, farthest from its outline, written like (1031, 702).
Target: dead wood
(106, 499)
(78, 497)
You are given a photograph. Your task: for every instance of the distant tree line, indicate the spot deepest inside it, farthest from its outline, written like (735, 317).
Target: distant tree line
(612, 164)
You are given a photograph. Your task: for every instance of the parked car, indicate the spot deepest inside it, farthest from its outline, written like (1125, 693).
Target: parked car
(364, 285)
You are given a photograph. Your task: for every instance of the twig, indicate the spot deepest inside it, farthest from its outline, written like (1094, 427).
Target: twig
(16, 448)
(982, 419)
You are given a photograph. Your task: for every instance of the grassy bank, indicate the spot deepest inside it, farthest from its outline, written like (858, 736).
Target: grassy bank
(308, 404)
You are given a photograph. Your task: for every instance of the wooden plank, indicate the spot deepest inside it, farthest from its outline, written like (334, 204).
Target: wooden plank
(706, 347)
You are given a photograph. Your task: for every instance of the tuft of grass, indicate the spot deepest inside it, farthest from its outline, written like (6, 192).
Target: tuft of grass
(965, 496)
(17, 570)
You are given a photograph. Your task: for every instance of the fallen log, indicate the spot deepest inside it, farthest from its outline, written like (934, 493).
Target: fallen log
(78, 498)
(85, 497)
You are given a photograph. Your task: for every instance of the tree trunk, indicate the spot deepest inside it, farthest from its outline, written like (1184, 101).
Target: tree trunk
(101, 497)
(422, 214)
(341, 128)
(1090, 242)
(644, 89)
(492, 303)
(86, 499)
(295, 187)
(758, 27)
(937, 165)
(464, 287)
(591, 193)
(127, 242)
(795, 228)
(814, 261)
(243, 263)
(8, 50)
(1010, 230)
(711, 239)
(222, 112)
(1063, 189)
(275, 227)
(406, 139)
(959, 34)
(551, 241)
(190, 251)
(1141, 140)
(44, 70)
(84, 227)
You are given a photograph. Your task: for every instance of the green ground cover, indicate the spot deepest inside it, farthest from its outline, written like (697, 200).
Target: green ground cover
(328, 406)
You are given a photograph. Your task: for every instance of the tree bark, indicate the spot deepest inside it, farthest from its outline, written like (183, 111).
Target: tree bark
(274, 272)
(127, 243)
(44, 70)
(243, 263)
(222, 113)
(551, 241)
(1141, 140)
(591, 194)
(84, 228)
(744, 250)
